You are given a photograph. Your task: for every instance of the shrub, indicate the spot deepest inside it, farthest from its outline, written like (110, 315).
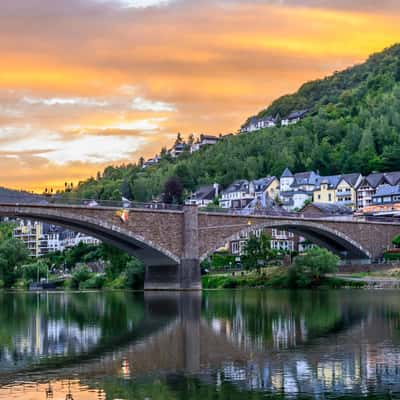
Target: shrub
(118, 283)
(95, 282)
(311, 267)
(391, 256)
(81, 274)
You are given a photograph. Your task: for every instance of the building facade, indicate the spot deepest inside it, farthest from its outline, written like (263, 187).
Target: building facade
(42, 239)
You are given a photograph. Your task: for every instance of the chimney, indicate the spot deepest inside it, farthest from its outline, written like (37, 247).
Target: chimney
(216, 187)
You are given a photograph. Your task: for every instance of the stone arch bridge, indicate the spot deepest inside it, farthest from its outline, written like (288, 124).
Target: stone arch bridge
(172, 243)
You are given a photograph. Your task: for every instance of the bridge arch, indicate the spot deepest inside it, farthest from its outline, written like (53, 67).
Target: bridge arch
(151, 253)
(320, 234)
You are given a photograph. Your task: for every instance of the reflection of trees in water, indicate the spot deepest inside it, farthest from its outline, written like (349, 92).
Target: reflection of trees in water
(43, 324)
(313, 342)
(280, 319)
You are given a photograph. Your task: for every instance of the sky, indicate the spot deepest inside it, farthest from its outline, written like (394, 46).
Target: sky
(89, 83)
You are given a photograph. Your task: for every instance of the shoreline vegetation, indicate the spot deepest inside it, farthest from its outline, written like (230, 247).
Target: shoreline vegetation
(276, 278)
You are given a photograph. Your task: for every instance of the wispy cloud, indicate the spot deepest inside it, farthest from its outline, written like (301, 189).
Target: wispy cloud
(140, 3)
(67, 101)
(141, 104)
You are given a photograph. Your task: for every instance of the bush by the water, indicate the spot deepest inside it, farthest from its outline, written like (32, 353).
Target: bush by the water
(310, 268)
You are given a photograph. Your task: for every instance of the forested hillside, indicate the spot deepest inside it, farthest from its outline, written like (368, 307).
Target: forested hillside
(354, 125)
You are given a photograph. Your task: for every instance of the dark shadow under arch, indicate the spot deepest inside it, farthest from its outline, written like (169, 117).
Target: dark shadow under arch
(321, 235)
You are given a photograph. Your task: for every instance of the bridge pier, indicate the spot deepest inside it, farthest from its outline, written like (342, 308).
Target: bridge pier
(186, 275)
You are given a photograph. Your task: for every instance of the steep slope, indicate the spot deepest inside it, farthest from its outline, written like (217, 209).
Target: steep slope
(354, 125)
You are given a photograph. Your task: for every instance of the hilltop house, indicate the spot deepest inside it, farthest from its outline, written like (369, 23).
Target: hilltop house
(257, 123)
(294, 117)
(204, 140)
(250, 126)
(152, 161)
(177, 150)
(338, 189)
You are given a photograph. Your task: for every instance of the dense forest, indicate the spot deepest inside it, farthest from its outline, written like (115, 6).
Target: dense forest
(353, 125)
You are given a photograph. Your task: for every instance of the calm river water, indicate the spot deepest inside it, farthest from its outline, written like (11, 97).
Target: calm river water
(250, 344)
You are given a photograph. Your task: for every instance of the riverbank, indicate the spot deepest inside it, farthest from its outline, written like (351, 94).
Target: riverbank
(276, 278)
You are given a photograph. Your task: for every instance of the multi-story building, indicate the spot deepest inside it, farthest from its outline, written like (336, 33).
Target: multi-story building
(385, 202)
(242, 192)
(268, 185)
(177, 149)
(238, 195)
(30, 233)
(204, 140)
(257, 123)
(281, 240)
(369, 185)
(296, 189)
(338, 189)
(204, 195)
(42, 239)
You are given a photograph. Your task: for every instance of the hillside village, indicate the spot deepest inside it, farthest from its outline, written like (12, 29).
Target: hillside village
(253, 124)
(377, 194)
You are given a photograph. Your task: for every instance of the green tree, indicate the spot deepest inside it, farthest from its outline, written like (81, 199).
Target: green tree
(35, 271)
(312, 266)
(257, 251)
(13, 253)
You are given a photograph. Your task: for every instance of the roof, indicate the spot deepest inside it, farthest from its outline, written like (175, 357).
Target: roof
(375, 179)
(306, 178)
(208, 137)
(351, 179)
(297, 114)
(265, 203)
(237, 186)
(268, 118)
(393, 178)
(334, 180)
(387, 190)
(263, 183)
(330, 208)
(204, 193)
(287, 173)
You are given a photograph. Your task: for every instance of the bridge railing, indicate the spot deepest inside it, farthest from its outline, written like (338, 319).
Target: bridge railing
(90, 203)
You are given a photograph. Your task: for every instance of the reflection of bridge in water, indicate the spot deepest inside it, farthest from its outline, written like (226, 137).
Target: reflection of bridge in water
(348, 356)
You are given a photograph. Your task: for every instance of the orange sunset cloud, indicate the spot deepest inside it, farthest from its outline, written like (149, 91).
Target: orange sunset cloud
(87, 83)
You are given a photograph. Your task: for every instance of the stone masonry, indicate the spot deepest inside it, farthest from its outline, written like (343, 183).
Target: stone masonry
(172, 243)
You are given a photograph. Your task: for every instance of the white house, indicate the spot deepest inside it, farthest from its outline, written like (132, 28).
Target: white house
(294, 117)
(204, 195)
(237, 195)
(204, 140)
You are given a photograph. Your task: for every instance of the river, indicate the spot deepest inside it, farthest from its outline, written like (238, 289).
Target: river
(248, 344)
